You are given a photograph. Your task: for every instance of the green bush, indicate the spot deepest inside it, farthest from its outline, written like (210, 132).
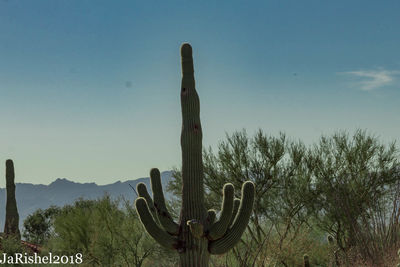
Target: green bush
(38, 226)
(107, 232)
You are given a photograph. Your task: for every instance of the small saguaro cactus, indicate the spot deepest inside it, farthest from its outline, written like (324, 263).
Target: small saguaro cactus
(198, 234)
(11, 226)
(306, 260)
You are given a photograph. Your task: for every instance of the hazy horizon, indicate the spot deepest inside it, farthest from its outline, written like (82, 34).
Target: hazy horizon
(90, 89)
(87, 182)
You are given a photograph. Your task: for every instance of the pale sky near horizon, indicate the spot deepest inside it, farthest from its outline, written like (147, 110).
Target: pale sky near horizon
(89, 90)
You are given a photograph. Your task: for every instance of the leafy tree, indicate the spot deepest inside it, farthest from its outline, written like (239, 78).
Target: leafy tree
(38, 226)
(279, 169)
(345, 186)
(106, 231)
(351, 178)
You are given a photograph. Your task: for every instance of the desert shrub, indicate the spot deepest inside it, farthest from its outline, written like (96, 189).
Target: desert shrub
(38, 225)
(278, 168)
(345, 186)
(356, 195)
(11, 245)
(107, 232)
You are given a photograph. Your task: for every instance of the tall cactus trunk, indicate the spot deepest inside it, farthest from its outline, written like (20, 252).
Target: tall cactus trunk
(193, 209)
(11, 226)
(198, 233)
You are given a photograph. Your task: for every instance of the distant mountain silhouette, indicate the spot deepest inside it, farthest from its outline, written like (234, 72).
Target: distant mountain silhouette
(31, 197)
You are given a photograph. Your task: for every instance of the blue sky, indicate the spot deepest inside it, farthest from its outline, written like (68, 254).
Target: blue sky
(90, 89)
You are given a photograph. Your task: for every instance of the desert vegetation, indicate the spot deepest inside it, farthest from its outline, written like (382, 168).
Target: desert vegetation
(333, 203)
(336, 202)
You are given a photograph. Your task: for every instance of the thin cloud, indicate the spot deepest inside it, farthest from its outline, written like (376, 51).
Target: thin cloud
(371, 80)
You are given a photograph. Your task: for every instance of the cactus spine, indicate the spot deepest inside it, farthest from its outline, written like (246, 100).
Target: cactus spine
(11, 226)
(198, 233)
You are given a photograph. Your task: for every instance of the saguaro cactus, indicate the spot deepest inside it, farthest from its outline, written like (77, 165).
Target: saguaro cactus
(12, 218)
(198, 233)
(306, 260)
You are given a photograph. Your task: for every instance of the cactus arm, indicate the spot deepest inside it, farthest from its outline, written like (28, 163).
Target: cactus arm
(236, 204)
(234, 234)
(218, 229)
(211, 215)
(142, 191)
(196, 228)
(152, 228)
(159, 203)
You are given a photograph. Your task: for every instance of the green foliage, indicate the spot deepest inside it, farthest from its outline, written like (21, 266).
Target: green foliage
(346, 186)
(278, 168)
(11, 245)
(352, 176)
(291, 253)
(104, 232)
(290, 221)
(275, 165)
(38, 226)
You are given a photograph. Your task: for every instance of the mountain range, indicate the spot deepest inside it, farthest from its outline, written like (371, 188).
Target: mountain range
(31, 197)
